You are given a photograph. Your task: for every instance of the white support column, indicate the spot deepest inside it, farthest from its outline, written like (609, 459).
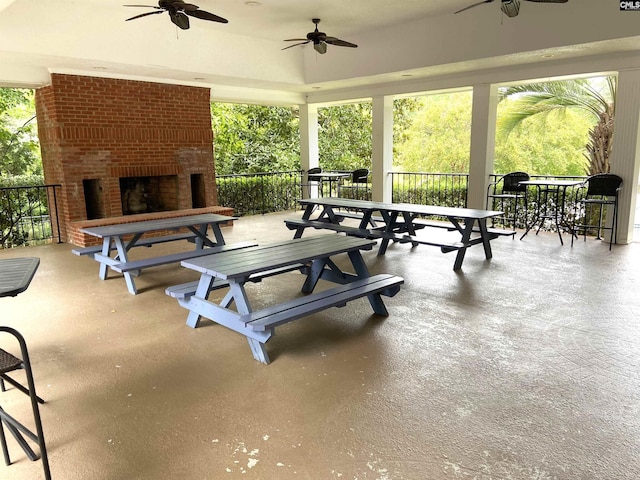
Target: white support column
(308, 143)
(625, 150)
(382, 148)
(483, 135)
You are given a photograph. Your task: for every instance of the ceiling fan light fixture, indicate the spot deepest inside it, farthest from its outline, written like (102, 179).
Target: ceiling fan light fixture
(510, 7)
(320, 47)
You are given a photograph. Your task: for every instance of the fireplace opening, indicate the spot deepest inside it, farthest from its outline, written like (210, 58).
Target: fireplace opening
(149, 194)
(198, 197)
(93, 198)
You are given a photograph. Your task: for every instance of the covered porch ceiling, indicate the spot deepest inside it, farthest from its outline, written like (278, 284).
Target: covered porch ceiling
(406, 47)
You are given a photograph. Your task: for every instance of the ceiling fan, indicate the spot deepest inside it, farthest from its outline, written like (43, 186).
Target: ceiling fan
(179, 12)
(510, 8)
(320, 40)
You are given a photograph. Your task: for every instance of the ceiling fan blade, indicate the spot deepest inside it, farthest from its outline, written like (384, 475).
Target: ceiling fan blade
(296, 44)
(205, 16)
(180, 19)
(320, 47)
(296, 40)
(510, 8)
(548, 1)
(474, 5)
(339, 43)
(144, 15)
(145, 6)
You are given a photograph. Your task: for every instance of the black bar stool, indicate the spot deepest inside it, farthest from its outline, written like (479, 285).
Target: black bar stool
(10, 363)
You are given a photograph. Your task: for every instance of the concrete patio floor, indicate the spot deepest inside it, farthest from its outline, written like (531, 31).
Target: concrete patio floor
(523, 367)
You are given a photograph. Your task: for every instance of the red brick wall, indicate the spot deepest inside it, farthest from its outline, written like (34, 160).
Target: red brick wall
(104, 129)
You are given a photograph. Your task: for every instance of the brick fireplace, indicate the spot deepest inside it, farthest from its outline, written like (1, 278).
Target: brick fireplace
(125, 150)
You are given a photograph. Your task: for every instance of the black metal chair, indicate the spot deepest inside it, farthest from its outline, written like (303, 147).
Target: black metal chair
(506, 191)
(313, 179)
(10, 363)
(358, 177)
(601, 189)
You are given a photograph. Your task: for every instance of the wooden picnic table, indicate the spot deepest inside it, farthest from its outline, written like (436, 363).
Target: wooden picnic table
(400, 222)
(120, 238)
(311, 255)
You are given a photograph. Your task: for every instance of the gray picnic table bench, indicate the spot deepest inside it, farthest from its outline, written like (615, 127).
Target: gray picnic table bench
(311, 255)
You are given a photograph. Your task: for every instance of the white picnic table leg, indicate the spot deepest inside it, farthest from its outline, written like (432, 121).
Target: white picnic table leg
(106, 247)
(202, 291)
(122, 256)
(237, 291)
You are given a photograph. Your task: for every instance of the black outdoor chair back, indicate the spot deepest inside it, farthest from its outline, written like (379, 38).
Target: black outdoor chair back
(602, 189)
(505, 193)
(511, 182)
(360, 175)
(603, 184)
(311, 176)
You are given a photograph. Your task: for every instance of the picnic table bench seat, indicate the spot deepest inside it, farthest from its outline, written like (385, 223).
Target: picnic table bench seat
(143, 242)
(373, 233)
(135, 265)
(270, 317)
(425, 222)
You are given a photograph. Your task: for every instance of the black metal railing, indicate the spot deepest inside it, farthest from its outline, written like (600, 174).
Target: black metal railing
(29, 215)
(258, 193)
(446, 189)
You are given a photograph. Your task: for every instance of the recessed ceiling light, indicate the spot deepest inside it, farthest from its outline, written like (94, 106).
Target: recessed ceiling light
(198, 78)
(548, 55)
(252, 4)
(316, 88)
(99, 68)
(407, 75)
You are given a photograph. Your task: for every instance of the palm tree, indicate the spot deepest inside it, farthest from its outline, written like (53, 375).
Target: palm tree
(593, 98)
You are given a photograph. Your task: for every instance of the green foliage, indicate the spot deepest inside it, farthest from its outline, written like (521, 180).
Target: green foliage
(18, 209)
(592, 99)
(553, 145)
(438, 138)
(345, 136)
(19, 147)
(255, 138)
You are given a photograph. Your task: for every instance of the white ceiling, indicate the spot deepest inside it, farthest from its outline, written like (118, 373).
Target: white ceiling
(404, 46)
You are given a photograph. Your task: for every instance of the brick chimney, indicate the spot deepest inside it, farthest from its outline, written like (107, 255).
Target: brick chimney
(123, 147)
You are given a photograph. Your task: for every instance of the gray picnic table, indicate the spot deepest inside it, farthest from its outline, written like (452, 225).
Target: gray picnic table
(400, 222)
(118, 239)
(311, 255)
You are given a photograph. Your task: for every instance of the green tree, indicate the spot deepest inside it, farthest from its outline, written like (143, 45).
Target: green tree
(19, 146)
(438, 137)
(553, 147)
(345, 136)
(255, 138)
(593, 98)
